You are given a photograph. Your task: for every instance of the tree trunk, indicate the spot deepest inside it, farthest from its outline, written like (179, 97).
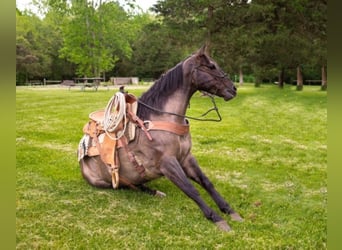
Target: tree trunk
(281, 78)
(299, 78)
(209, 26)
(324, 78)
(240, 76)
(257, 81)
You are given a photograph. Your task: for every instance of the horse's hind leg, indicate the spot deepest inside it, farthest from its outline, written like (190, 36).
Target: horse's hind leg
(95, 172)
(172, 170)
(194, 172)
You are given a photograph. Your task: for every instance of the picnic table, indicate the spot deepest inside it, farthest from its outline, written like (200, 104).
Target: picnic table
(91, 82)
(34, 82)
(45, 81)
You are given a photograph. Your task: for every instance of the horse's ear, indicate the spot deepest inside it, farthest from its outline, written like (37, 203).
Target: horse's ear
(204, 50)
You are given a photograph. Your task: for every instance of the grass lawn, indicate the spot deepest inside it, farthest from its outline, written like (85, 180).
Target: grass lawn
(268, 158)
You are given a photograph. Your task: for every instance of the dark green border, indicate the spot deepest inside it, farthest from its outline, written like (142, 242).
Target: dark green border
(334, 126)
(7, 127)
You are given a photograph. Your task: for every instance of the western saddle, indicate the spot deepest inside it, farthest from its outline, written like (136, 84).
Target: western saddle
(114, 127)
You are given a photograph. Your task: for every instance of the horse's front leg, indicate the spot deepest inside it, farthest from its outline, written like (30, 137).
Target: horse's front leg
(194, 172)
(172, 170)
(150, 191)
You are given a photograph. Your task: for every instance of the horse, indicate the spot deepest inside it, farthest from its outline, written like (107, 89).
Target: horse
(168, 152)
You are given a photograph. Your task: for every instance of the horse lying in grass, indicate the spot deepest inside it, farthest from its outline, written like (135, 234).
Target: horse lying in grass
(162, 142)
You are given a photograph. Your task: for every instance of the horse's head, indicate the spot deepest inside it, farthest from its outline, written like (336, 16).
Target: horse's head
(207, 76)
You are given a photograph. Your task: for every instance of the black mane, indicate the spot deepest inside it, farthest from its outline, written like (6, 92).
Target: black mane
(157, 95)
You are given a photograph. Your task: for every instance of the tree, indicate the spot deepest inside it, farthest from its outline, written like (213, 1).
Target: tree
(95, 35)
(283, 35)
(59, 67)
(271, 38)
(156, 50)
(317, 14)
(129, 64)
(277, 44)
(218, 23)
(230, 41)
(32, 58)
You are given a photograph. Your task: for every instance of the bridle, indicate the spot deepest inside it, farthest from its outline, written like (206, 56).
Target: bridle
(214, 76)
(211, 96)
(201, 66)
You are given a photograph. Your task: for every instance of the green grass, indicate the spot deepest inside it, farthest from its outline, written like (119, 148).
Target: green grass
(268, 158)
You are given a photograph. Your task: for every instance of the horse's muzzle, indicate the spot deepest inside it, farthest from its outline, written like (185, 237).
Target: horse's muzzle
(229, 93)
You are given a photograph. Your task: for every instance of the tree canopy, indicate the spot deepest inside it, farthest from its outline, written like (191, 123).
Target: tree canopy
(264, 38)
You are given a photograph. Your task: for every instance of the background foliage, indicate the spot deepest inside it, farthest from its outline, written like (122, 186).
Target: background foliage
(264, 38)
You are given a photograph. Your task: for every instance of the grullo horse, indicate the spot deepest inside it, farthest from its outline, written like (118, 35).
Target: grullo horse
(168, 151)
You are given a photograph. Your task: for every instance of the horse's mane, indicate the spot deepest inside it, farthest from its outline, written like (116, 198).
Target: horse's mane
(157, 95)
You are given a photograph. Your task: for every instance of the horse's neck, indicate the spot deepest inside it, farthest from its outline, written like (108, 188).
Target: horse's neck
(170, 94)
(176, 103)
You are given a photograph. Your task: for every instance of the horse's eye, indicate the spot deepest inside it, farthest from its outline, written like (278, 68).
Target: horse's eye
(212, 66)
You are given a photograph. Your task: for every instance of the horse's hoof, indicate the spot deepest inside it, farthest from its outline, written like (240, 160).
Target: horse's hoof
(236, 217)
(223, 226)
(159, 194)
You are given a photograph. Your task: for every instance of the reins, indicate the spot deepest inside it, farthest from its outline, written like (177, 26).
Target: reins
(191, 117)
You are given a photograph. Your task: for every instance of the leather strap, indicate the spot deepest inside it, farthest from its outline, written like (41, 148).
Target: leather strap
(176, 128)
(126, 182)
(139, 123)
(122, 143)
